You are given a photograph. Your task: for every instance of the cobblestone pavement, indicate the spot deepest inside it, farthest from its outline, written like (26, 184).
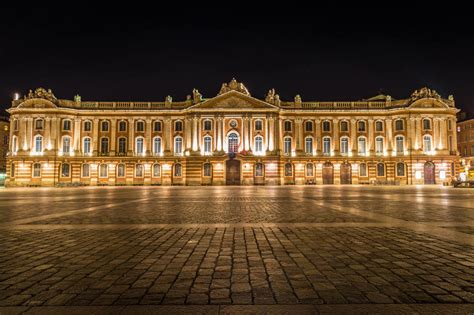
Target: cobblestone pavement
(311, 249)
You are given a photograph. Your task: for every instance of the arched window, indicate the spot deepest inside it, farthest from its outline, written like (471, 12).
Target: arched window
(66, 144)
(103, 170)
(344, 145)
(258, 145)
(233, 143)
(105, 126)
(399, 126)
(326, 146)
(140, 127)
(38, 144)
(156, 170)
(36, 170)
(361, 146)
(157, 146)
(426, 124)
(361, 126)
(86, 145)
(379, 145)
(258, 169)
(309, 170)
(363, 170)
(138, 170)
(121, 170)
(66, 125)
(287, 125)
(380, 169)
(288, 169)
(65, 170)
(308, 147)
(326, 126)
(378, 126)
(207, 145)
(344, 126)
(178, 126)
(207, 170)
(399, 145)
(85, 170)
(39, 123)
(258, 125)
(178, 146)
(309, 126)
(122, 145)
(177, 170)
(139, 145)
(287, 146)
(87, 126)
(207, 125)
(104, 146)
(427, 144)
(122, 126)
(14, 144)
(157, 126)
(400, 169)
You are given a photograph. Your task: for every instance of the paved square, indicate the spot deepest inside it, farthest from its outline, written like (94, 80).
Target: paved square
(311, 249)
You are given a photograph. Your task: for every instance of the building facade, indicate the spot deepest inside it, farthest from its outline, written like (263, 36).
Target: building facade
(465, 130)
(232, 138)
(4, 148)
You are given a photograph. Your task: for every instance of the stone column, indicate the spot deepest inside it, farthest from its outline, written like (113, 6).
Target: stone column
(389, 136)
(54, 132)
(218, 134)
(113, 136)
(371, 137)
(353, 136)
(250, 134)
(95, 137)
(77, 136)
(443, 134)
(454, 148)
(278, 135)
(336, 140)
(29, 133)
(299, 136)
(271, 133)
(187, 133)
(131, 136)
(47, 134)
(318, 136)
(195, 134)
(148, 137)
(167, 135)
(199, 130)
(245, 143)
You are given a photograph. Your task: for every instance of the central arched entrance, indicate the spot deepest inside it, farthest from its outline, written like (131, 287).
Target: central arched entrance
(328, 173)
(232, 172)
(429, 173)
(346, 174)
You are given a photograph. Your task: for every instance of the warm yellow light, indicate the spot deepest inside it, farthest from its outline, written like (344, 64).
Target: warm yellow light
(418, 174)
(166, 167)
(16, 96)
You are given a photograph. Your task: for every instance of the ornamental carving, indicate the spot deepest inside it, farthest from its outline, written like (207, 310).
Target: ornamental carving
(41, 93)
(424, 93)
(234, 86)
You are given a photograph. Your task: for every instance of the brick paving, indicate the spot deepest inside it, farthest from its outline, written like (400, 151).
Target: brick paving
(128, 248)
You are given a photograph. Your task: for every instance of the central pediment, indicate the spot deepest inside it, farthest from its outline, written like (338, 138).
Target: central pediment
(233, 100)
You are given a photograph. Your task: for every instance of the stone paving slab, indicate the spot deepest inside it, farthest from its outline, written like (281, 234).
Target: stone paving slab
(276, 250)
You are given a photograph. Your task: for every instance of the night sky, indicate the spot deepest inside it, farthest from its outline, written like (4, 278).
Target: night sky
(144, 54)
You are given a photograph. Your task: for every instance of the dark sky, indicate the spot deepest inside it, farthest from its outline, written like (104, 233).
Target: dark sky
(125, 53)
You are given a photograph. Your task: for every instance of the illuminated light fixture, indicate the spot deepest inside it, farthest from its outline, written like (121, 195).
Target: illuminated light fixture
(186, 153)
(219, 166)
(293, 153)
(166, 167)
(16, 96)
(349, 153)
(332, 153)
(246, 165)
(337, 166)
(418, 174)
(60, 153)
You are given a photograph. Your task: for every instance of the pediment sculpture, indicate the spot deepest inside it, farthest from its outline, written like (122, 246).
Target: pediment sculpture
(41, 93)
(233, 85)
(424, 93)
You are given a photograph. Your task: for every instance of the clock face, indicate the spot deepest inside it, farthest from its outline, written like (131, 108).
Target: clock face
(233, 123)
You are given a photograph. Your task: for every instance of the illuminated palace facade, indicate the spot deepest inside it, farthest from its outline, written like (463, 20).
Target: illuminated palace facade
(230, 139)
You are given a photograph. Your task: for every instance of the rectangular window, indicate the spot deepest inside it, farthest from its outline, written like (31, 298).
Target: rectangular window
(37, 170)
(66, 125)
(139, 170)
(363, 170)
(85, 170)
